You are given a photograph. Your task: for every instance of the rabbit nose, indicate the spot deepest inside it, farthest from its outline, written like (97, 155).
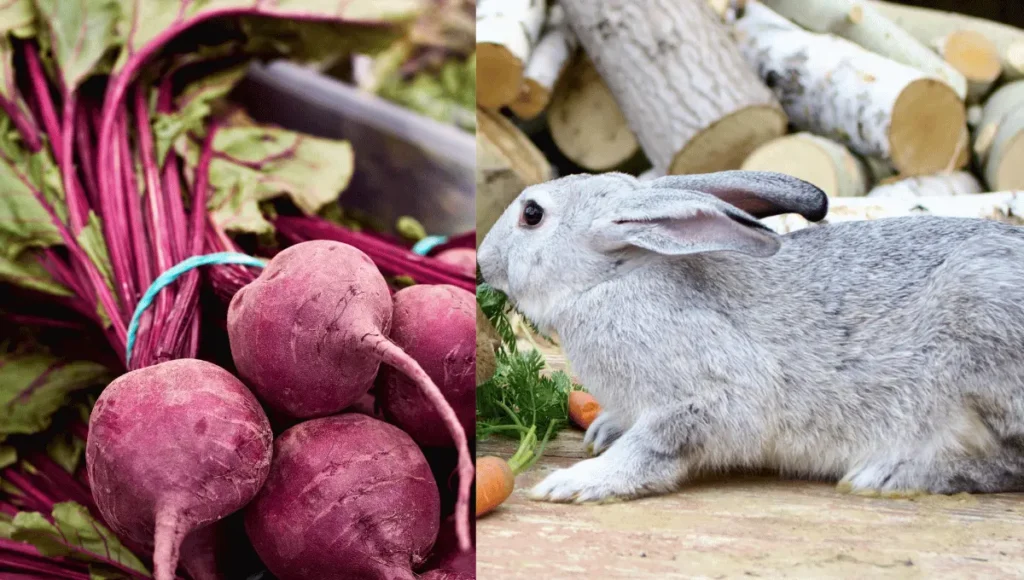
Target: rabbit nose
(492, 268)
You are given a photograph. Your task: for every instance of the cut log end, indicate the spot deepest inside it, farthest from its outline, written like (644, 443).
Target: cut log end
(728, 142)
(532, 100)
(1014, 59)
(855, 15)
(813, 159)
(504, 74)
(975, 56)
(929, 124)
(585, 120)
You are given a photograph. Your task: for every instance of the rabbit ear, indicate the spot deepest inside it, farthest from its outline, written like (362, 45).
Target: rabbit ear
(679, 223)
(760, 193)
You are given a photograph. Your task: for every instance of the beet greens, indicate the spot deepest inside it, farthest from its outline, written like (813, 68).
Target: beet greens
(120, 156)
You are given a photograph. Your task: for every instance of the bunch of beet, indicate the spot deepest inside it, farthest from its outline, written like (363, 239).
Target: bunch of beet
(176, 447)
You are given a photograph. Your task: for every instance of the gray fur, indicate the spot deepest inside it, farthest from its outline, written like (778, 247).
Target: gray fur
(888, 353)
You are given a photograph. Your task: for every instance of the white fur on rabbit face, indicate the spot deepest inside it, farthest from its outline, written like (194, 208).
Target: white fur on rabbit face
(542, 266)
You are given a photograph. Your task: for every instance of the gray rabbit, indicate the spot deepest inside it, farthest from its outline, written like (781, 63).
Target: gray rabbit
(886, 354)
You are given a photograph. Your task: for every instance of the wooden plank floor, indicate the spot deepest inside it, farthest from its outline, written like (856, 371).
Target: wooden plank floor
(745, 527)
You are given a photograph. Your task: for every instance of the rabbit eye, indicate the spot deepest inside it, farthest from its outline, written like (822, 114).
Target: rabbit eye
(532, 213)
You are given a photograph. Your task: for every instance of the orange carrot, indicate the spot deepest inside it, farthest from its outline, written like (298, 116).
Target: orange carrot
(494, 483)
(583, 408)
(496, 478)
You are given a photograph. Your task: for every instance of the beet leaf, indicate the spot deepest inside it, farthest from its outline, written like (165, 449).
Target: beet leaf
(73, 531)
(34, 385)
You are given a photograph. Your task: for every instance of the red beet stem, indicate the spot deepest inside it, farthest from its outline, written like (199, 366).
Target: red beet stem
(389, 258)
(23, 124)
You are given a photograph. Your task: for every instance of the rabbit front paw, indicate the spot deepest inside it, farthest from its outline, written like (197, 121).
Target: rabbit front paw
(631, 467)
(604, 431)
(591, 480)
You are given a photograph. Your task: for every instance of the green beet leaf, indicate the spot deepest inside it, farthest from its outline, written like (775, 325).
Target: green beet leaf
(80, 34)
(155, 19)
(33, 386)
(75, 533)
(253, 164)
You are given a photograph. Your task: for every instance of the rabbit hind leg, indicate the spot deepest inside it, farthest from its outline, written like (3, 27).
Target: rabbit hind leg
(992, 462)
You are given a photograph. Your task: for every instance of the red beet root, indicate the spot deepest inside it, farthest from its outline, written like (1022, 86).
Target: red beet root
(436, 325)
(310, 334)
(463, 258)
(174, 447)
(347, 497)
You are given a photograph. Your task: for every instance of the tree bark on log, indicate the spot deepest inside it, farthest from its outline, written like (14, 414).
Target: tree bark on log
(814, 159)
(927, 25)
(868, 28)
(585, 121)
(507, 162)
(875, 106)
(682, 85)
(547, 63)
(999, 139)
(1003, 206)
(506, 32)
(948, 184)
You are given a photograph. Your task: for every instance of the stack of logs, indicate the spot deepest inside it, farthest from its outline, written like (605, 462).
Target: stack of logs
(890, 109)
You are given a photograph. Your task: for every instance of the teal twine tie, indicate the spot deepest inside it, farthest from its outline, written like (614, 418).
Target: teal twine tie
(424, 246)
(167, 278)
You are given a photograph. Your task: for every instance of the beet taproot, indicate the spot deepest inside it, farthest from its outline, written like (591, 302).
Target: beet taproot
(309, 336)
(348, 497)
(172, 448)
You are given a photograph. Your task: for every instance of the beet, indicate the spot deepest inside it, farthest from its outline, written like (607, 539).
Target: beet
(174, 447)
(436, 325)
(462, 258)
(302, 334)
(310, 333)
(347, 497)
(447, 555)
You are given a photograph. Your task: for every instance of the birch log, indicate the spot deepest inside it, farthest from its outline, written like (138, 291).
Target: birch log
(873, 105)
(586, 123)
(863, 25)
(814, 159)
(683, 87)
(547, 62)
(975, 56)
(506, 32)
(927, 25)
(999, 139)
(1003, 206)
(507, 162)
(947, 184)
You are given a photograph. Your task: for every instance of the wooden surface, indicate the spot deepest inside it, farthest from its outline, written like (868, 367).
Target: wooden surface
(744, 527)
